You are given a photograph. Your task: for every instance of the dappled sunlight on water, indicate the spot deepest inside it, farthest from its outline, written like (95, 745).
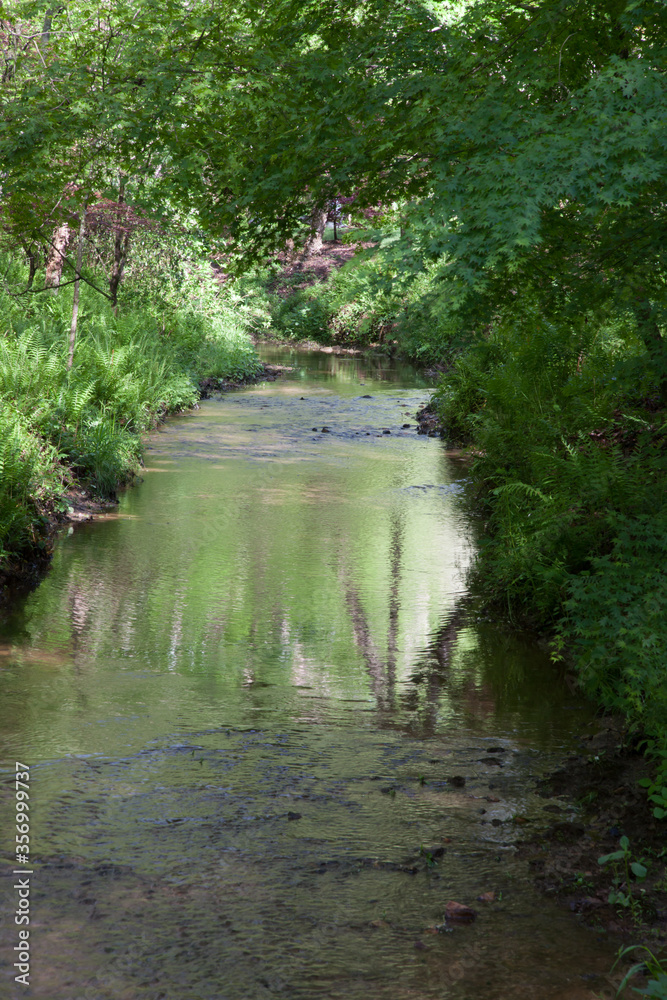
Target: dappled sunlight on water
(269, 742)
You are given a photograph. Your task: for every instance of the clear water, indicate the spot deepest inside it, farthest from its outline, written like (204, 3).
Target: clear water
(242, 698)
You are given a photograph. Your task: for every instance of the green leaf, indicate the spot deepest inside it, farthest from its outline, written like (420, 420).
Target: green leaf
(616, 856)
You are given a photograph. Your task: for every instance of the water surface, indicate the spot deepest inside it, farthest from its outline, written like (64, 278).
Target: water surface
(243, 699)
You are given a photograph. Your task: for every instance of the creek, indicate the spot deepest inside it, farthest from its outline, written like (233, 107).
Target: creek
(243, 699)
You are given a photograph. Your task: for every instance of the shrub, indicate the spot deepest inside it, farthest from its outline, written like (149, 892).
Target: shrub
(615, 623)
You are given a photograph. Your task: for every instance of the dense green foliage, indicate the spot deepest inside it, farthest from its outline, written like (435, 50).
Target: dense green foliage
(569, 444)
(523, 148)
(514, 157)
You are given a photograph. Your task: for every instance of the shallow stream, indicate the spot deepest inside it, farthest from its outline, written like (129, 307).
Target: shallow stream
(243, 700)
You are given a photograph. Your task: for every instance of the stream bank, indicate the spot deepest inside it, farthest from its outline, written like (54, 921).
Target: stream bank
(601, 781)
(76, 501)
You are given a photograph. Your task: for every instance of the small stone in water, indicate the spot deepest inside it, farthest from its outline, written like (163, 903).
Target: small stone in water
(292, 815)
(487, 897)
(457, 913)
(457, 781)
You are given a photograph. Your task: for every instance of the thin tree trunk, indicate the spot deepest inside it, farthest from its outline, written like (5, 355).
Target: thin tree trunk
(54, 265)
(31, 255)
(120, 249)
(75, 300)
(46, 27)
(318, 221)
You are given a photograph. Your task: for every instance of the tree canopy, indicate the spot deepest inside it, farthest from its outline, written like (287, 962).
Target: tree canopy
(513, 137)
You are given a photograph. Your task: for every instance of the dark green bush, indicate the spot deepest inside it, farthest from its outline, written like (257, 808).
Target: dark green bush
(615, 622)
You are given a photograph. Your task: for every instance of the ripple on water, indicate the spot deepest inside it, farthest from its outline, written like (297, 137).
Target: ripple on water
(269, 740)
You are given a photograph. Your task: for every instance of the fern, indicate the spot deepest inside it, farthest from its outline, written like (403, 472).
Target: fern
(127, 374)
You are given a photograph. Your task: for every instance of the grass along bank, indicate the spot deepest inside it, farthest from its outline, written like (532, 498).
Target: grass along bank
(81, 429)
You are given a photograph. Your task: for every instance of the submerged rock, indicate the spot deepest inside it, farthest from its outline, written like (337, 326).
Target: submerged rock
(458, 913)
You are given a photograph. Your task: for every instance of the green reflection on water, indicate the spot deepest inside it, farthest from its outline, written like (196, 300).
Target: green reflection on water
(273, 623)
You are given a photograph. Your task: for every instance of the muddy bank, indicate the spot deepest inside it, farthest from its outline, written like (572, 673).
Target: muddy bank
(596, 800)
(25, 569)
(267, 373)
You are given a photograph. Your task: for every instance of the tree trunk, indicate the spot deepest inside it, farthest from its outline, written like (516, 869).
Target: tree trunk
(48, 21)
(54, 264)
(318, 221)
(31, 256)
(121, 247)
(75, 300)
(333, 211)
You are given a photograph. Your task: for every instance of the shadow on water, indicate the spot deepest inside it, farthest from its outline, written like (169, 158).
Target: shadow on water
(269, 740)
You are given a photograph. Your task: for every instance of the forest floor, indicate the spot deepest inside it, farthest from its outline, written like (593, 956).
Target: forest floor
(603, 786)
(299, 270)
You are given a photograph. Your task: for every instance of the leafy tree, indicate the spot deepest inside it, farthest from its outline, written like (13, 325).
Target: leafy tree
(526, 142)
